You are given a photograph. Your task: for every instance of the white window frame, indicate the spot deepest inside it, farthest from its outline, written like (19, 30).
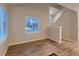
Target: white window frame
(38, 25)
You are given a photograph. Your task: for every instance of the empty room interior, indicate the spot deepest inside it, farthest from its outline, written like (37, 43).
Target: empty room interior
(39, 29)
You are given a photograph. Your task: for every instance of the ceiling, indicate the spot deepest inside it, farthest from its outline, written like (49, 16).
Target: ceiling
(73, 6)
(35, 6)
(45, 6)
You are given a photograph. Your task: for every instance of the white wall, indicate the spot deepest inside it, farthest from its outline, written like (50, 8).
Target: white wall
(16, 24)
(55, 34)
(68, 21)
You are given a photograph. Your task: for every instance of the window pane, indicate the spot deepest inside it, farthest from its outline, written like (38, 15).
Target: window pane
(31, 24)
(3, 22)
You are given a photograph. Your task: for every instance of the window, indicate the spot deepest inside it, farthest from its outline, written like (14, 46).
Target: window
(3, 22)
(31, 24)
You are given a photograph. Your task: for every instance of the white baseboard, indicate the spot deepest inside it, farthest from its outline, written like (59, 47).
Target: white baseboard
(27, 41)
(5, 51)
(69, 40)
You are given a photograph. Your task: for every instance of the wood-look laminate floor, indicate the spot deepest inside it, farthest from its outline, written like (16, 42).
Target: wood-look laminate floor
(44, 47)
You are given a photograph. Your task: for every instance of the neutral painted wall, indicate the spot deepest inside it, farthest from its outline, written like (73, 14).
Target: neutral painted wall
(55, 34)
(16, 24)
(68, 21)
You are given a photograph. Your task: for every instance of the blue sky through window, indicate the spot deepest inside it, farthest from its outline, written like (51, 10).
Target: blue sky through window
(3, 20)
(31, 24)
(1, 23)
